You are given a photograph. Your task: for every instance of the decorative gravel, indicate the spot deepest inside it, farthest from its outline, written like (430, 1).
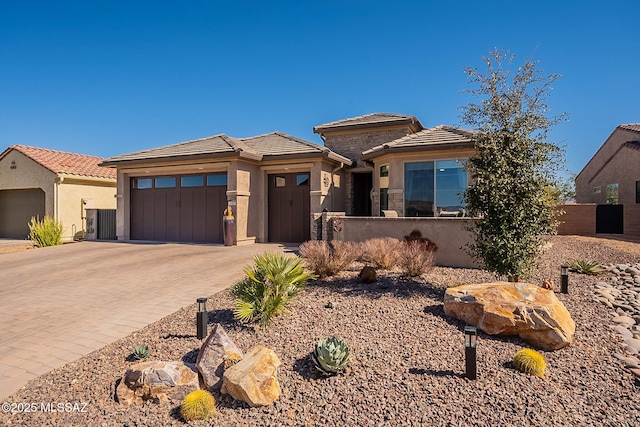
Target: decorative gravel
(406, 366)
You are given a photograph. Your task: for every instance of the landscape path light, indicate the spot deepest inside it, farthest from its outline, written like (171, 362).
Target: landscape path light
(564, 278)
(201, 318)
(470, 343)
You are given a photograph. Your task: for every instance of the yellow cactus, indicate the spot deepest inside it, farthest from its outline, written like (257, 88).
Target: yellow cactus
(530, 362)
(198, 405)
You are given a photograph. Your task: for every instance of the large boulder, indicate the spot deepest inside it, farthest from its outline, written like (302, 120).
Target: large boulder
(254, 379)
(217, 351)
(504, 308)
(158, 382)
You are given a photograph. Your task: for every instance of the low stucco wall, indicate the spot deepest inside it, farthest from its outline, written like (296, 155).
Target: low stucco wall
(580, 219)
(448, 233)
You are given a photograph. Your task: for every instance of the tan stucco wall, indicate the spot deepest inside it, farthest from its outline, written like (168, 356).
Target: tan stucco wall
(63, 194)
(448, 233)
(396, 164)
(71, 210)
(612, 164)
(28, 174)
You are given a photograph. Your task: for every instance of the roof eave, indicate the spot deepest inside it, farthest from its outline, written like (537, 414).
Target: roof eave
(432, 147)
(411, 121)
(167, 159)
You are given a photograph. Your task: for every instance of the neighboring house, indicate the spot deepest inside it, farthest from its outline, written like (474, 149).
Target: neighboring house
(37, 182)
(401, 166)
(273, 183)
(612, 176)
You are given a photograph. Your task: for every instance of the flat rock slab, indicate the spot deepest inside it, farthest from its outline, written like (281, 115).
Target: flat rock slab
(506, 308)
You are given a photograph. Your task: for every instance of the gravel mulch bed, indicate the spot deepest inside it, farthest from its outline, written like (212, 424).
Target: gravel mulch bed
(406, 367)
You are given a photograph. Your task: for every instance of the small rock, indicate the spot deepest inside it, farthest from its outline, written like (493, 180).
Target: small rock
(631, 362)
(254, 379)
(624, 320)
(331, 304)
(217, 348)
(636, 372)
(624, 332)
(367, 275)
(634, 343)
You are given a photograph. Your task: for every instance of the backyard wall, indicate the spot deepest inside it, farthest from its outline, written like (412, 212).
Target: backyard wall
(580, 219)
(448, 233)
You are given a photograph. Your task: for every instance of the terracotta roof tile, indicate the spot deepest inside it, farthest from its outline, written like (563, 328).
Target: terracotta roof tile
(635, 127)
(61, 162)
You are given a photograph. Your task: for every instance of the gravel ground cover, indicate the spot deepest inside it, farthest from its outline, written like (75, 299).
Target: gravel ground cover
(406, 366)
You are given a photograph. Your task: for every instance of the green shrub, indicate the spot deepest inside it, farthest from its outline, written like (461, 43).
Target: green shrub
(198, 405)
(330, 356)
(382, 252)
(582, 266)
(530, 362)
(269, 286)
(415, 258)
(47, 232)
(328, 258)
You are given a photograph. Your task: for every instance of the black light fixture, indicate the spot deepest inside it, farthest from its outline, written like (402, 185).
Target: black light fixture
(201, 318)
(564, 278)
(470, 342)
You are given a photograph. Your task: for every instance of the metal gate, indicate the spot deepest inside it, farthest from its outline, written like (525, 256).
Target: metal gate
(106, 224)
(610, 219)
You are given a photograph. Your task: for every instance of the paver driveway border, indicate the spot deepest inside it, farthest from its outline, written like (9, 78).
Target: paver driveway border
(60, 303)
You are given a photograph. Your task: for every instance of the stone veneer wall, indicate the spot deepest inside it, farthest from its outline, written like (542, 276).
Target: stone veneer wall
(351, 144)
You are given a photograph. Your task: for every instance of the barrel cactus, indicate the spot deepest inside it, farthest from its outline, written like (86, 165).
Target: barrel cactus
(198, 405)
(330, 356)
(530, 362)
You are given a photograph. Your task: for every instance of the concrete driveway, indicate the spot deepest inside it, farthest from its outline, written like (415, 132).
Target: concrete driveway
(60, 303)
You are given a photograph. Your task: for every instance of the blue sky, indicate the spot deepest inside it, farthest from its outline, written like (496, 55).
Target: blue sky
(112, 77)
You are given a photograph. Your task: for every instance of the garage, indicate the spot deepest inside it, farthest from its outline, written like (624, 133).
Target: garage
(17, 207)
(289, 207)
(178, 208)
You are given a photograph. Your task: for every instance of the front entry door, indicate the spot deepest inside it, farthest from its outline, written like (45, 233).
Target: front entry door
(289, 207)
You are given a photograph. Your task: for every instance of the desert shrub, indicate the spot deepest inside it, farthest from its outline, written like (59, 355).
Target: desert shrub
(328, 258)
(198, 405)
(47, 232)
(530, 362)
(583, 266)
(381, 252)
(415, 258)
(269, 286)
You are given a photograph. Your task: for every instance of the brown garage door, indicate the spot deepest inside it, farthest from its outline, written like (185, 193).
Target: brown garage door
(17, 207)
(180, 208)
(289, 211)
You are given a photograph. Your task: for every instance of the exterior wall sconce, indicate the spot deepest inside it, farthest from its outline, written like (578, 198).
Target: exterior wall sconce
(13, 165)
(564, 278)
(201, 318)
(470, 342)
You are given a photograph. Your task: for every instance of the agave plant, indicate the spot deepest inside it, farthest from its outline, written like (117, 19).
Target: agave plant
(330, 356)
(583, 266)
(141, 352)
(269, 286)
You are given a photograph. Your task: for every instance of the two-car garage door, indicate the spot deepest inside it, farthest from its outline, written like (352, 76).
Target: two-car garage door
(178, 208)
(17, 207)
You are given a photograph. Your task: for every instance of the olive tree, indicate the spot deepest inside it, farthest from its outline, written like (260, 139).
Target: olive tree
(514, 164)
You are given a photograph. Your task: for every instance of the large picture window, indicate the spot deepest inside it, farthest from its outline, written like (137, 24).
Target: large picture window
(434, 188)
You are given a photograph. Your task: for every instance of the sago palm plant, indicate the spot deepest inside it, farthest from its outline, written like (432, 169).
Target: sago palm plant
(269, 286)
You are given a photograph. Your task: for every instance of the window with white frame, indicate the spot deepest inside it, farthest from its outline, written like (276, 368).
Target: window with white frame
(434, 188)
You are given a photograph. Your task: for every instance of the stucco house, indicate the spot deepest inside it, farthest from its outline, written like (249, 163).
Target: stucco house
(273, 183)
(612, 176)
(35, 182)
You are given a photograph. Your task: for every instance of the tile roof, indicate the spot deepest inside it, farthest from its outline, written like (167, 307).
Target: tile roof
(370, 120)
(635, 127)
(255, 147)
(61, 162)
(436, 137)
(218, 145)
